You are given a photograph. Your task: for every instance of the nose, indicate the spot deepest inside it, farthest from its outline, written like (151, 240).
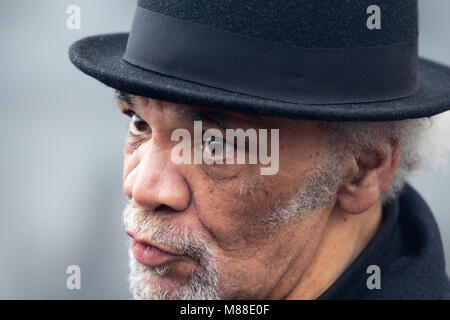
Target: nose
(157, 183)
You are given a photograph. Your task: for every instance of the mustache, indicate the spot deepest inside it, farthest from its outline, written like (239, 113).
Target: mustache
(155, 228)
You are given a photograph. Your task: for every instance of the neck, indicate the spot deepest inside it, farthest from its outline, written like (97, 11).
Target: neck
(345, 237)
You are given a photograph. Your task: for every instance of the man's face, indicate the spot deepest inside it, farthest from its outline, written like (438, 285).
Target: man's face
(232, 232)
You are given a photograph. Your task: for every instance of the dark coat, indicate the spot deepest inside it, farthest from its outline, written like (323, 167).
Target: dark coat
(407, 248)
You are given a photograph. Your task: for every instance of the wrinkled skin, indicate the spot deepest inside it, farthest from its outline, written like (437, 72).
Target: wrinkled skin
(227, 204)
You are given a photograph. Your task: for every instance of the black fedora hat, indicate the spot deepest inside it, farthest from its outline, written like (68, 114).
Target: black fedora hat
(311, 59)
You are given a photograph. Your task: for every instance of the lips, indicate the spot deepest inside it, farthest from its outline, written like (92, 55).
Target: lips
(151, 255)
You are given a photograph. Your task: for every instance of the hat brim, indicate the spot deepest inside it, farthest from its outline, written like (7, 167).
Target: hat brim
(101, 58)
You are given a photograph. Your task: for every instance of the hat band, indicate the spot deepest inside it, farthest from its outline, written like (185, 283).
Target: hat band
(255, 67)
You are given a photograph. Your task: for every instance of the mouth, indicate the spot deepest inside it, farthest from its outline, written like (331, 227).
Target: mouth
(151, 254)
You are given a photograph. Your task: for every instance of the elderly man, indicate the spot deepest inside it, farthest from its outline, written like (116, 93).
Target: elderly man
(329, 95)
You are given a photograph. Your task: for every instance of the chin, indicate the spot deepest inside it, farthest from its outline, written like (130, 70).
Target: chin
(151, 283)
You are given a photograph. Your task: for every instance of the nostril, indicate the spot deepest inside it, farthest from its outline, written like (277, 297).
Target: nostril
(163, 207)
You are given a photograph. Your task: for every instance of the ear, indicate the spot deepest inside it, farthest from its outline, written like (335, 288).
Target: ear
(375, 168)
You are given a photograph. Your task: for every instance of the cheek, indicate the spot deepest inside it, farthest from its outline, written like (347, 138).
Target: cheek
(132, 156)
(250, 258)
(232, 211)
(235, 212)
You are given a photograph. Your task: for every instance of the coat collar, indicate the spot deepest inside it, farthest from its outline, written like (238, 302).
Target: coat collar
(408, 249)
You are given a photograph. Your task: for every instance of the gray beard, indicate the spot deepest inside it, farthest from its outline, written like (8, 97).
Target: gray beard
(145, 282)
(202, 285)
(153, 283)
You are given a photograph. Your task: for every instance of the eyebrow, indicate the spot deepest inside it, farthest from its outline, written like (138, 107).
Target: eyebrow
(197, 115)
(126, 98)
(206, 117)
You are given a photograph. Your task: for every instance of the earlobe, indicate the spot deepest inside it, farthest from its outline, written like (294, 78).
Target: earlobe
(375, 173)
(359, 196)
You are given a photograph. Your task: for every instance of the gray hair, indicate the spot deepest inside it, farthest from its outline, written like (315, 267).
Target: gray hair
(424, 144)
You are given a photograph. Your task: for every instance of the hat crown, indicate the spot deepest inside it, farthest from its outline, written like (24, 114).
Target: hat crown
(300, 23)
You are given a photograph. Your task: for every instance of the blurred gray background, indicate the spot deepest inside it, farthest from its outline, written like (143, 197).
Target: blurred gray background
(61, 141)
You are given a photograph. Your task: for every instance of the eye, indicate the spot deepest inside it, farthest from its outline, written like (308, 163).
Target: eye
(216, 147)
(138, 125)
